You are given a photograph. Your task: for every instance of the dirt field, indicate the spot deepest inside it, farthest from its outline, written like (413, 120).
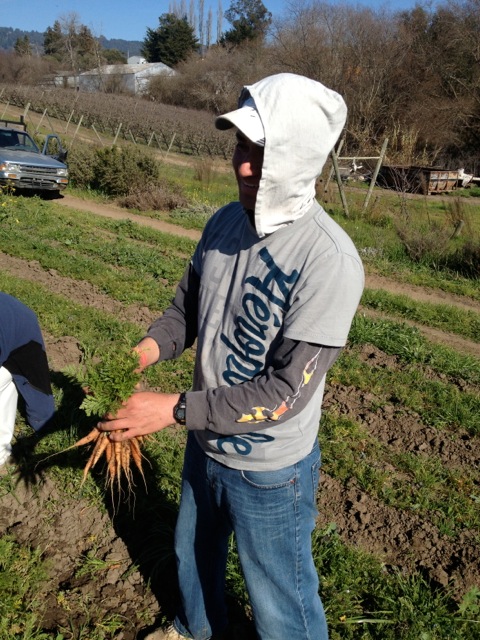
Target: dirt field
(35, 516)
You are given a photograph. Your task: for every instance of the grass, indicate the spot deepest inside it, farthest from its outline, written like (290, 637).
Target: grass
(22, 572)
(135, 265)
(445, 317)
(367, 601)
(130, 263)
(384, 254)
(203, 186)
(410, 481)
(439, 404)
(407, 343)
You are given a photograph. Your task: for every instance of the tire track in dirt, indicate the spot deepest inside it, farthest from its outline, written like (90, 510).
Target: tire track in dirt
(78, 291)
(117, 213)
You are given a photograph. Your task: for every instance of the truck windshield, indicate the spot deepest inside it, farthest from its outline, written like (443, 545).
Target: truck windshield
(17, 140)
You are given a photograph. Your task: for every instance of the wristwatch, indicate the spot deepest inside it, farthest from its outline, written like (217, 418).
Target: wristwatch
(180, 410)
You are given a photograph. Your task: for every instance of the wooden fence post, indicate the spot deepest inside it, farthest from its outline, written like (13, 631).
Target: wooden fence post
(375, 174)
(69, 120)
(76, 131)
(25, 111)
(169, 146)
(117, 133)
(332, 168)
(96, 133)
(339, 182)
(5, 110)
(37, 128)
(157, 140)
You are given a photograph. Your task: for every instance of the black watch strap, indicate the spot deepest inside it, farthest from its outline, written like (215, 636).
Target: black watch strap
(180, 410)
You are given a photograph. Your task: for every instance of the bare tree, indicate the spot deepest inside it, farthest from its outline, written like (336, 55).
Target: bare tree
(208, 28)
(201, 21)
(191, 15)
(351, 50)
(219, 20)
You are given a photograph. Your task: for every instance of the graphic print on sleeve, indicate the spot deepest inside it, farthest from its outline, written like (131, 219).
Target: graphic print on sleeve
(263, 414)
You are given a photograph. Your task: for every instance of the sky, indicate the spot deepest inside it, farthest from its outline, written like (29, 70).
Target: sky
(129, 19)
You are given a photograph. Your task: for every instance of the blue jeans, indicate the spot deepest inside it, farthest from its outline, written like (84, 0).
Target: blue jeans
(272, 514)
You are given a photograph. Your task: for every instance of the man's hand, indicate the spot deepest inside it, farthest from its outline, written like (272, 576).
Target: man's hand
(143, 413)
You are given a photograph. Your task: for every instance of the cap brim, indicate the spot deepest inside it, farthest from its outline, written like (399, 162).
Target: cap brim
(247, 120)
(223, 122)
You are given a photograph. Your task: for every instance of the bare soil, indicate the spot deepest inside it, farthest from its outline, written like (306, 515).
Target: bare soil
(37, 513)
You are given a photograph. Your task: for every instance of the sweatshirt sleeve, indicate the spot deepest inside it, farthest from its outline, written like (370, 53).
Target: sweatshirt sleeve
(282, 391)
(176, 329)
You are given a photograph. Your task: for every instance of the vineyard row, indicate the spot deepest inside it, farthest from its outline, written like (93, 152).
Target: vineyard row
(169, 128)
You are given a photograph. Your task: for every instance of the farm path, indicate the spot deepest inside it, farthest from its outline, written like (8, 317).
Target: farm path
(373, 281)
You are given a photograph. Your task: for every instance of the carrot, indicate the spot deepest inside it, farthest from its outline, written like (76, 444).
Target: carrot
(118, 456)
(109, 452)
(98, 450)
(100, 446)
(90, 437)
(112, 465)
(118, 461)
(136, 453)
(126, 456)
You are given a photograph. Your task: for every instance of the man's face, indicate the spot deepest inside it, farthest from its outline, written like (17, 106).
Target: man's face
(247, 163)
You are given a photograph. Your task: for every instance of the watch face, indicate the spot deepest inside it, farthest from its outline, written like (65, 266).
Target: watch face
(180, 413)
(180, 410)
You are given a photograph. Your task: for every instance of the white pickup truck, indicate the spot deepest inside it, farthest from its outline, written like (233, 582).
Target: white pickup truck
(23, 166)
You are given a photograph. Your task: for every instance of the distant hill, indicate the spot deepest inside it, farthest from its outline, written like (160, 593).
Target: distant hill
(128, 47)
(9, 35)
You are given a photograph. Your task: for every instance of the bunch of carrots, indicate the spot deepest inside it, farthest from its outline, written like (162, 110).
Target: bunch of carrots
(108, 383)
(118, 455)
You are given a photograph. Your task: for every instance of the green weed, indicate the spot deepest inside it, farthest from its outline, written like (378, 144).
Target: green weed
(445, 317)
(22, 571)
(368, 601)
(399, 339)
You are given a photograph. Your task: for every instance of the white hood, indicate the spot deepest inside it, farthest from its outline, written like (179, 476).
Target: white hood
(302, 120)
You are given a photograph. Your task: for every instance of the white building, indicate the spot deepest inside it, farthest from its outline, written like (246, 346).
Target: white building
(133, 78)
(136, 60)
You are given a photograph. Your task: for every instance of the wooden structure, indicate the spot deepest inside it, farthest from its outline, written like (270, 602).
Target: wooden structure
(335, 170)
(412, 179)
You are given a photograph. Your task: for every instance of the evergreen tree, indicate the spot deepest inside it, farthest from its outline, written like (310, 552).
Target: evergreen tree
(22, 46)
(53, 41)
(173, 41)
(72, 44)
(113, 56)
(250, 20)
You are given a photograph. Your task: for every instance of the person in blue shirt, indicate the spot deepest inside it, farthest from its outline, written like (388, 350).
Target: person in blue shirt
(24, 371)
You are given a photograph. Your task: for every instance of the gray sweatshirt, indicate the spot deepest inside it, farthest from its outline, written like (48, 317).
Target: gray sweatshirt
(271, 303)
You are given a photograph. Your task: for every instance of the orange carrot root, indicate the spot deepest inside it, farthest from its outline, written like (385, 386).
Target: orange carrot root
(118, 457)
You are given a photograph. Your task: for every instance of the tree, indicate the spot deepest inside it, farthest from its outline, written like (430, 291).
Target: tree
(113, 56)
(250, 20)
(172, 42)
(71, 43)
(23, 47)
(53, 41)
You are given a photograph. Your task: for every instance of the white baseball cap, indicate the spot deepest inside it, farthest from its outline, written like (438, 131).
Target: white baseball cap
(247, 120)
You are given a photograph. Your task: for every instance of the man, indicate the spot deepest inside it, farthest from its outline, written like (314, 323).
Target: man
(23, 369)
(269, 295)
